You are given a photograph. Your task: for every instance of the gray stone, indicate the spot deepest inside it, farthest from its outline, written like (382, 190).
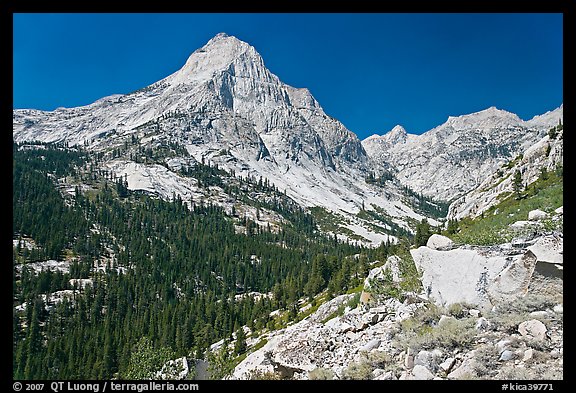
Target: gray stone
(426, 359)
(393, 266)
(528, 355)
(513, 281)
(539, 314)
(174, 369)
(466, 370)
(445, 319)
(549, 249)
(378, 310)
(559, 309)
(447, 364)
(439, 242)
(507, 355)
(536, 215)
(409, 360)
(370, 345)
(474, 313)
(533, 329)
(421, 373)
(360, 325)
(446, 282)
(560, 210)
(370, 318)
(519, 225)
(482, 324)
(350, 335)
(503, 344)
(387, 376)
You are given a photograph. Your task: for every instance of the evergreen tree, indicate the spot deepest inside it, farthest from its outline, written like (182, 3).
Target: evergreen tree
(422, 233)
(240, 344)
(517, 184)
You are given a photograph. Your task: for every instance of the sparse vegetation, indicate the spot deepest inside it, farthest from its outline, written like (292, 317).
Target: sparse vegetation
(362, 369)
(545, 194)
(321, 373)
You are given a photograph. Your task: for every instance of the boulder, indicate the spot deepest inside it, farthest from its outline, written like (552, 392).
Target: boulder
(370, 318)
(444, 319)
(421, 373)
(466, 370)
(537, 215)
(519, 225)
(409, 360)
(507, 355)
(386, 376)
(559, 309)
(393, 265)
(426, 359)
(370, 345)
(482, 324)
(533, 329)
(514, 280)
(560, 210)
(447, 364)
(456, 276)
(474, 313)
(539, 314)
(503, 344)
(528, 355)
(174, 369)
(439, 242)
(549, 249)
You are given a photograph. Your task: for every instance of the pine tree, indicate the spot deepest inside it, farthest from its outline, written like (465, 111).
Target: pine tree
(422, 233)
(517, 184)
(240, 345)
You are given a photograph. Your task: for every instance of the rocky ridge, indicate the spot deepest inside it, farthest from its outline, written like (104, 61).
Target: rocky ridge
(455, 157)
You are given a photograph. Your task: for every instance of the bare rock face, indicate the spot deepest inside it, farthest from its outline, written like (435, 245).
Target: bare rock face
(457, 276)
(549, 249)
(514, 280)
(473, 276)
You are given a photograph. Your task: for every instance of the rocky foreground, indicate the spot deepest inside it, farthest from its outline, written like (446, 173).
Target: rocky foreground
(484, 313)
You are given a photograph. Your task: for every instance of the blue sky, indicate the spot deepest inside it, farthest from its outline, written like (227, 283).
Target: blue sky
(370, 71)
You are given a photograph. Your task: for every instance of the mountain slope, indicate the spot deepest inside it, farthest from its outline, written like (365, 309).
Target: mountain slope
(224, 107)
(543, 157)
(455, 157)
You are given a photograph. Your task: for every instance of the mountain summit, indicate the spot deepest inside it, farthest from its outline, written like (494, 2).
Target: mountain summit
(226, 108)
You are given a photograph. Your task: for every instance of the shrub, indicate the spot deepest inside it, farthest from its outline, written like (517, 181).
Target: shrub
(369, 361)
(486, 363)
(321, 373)
(358, 370)
(453, 334)
(517, 373)
(526, 304)
(261, 375)
(457, 310)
